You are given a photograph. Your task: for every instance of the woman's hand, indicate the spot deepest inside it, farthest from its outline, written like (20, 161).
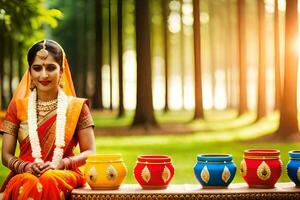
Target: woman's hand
(38, 169)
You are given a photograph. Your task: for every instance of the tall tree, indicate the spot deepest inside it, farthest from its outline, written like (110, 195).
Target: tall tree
(261, 96)
(228, 55)
(212, 47)
(120, 58)
(2, 42)
(288, 123)
(182, 58)
(242, 58)
(278, 87)
(11, 65)
(20, 59)
(144, 112)
(165, 13)
(97, 98)
(85, 45)
(110, 55)
(199, 113)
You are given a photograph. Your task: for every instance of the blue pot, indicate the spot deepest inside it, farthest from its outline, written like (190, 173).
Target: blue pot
(293, 167)
(214, 170)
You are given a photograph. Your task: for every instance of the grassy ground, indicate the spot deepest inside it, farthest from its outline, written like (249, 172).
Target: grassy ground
(233, 137)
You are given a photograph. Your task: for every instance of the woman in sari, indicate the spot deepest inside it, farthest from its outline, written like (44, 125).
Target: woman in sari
(48, 121)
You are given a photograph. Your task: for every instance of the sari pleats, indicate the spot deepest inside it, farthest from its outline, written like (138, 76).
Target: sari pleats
(53, 184)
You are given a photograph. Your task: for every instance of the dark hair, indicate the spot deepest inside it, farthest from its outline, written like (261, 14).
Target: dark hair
(52, 47)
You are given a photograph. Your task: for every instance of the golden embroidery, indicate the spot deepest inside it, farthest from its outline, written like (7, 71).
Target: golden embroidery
(93, 174)
(85, 122)
(263, 171)
(243, 168)
(226, 174)
(9, 128)
(146, 174)
(166, 174)
(39, 187)
(111, 173)
(205, 174)
(20, 190)
(298, 173)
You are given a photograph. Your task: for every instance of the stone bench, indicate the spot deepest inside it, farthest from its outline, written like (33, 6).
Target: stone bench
(190, 191)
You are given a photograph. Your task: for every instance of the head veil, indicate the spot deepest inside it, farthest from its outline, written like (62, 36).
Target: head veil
(23, 89)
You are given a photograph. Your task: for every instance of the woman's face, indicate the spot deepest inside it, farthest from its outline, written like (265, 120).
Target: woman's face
(45, 74)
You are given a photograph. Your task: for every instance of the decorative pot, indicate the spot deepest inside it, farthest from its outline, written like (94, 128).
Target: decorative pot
(214, 170)
(293, 167)
(261, 168)
(153, 171)
(105, 171)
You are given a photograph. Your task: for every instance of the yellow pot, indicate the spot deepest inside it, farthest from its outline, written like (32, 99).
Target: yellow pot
(105, 171)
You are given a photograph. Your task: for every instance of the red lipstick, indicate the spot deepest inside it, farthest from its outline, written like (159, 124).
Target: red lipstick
(45, 83)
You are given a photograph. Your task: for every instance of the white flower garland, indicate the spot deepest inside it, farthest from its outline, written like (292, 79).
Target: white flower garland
(62, 105)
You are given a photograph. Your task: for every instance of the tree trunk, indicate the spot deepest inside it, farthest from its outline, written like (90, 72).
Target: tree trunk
(144, 113)
(79, 53)
(288, 124)
(97, 98)
(165, 13)
(2, 42)
(11, 65)
(228, 54)
(120, 58)
(278, 87)
(182, 59)
(261, 96)
(213, 54)
(87, 50)
(109, 55)
(20, 60)
(242, 58)
(199, 114)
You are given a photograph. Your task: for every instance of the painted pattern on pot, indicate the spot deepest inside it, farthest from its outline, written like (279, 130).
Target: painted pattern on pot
(214, 170)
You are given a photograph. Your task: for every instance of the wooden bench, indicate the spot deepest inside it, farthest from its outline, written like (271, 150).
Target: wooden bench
(189, 191)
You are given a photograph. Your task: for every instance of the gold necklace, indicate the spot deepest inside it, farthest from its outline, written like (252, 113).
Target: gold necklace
(46, 106)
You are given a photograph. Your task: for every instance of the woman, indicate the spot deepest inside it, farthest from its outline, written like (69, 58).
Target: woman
(48, 121)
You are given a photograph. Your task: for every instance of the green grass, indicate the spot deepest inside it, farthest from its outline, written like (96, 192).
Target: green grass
(233, 138)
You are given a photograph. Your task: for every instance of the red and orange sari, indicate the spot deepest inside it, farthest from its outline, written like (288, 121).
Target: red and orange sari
(54, 183)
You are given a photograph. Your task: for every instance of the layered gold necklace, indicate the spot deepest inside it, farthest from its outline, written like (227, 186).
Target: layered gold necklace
(46, 106)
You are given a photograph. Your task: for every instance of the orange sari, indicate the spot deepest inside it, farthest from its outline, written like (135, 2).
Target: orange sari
(54, 184)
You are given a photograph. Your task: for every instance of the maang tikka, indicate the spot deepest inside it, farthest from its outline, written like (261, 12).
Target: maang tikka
(43, 53)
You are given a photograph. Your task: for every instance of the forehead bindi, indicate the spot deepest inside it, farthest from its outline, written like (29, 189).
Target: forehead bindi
(47, 61)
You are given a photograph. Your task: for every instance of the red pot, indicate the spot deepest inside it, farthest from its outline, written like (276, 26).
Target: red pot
(261, 168)
(153, 171)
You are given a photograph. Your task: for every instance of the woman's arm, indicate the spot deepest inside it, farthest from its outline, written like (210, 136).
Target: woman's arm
(87, 146)
(9, 160)
(9, 143)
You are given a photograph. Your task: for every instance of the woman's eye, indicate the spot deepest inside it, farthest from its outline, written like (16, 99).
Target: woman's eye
(37, 68)
(51, 68)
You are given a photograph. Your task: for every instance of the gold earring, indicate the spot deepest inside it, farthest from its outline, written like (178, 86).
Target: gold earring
(32, 85)
(61, 83)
